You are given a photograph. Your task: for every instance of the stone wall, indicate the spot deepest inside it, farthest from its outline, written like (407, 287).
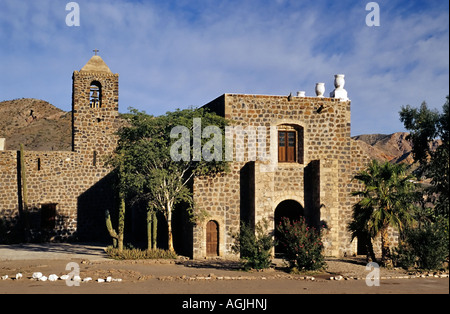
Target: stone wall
(77, 182)
(94, 128)
(8, 185)
(217, 199)
(319, 180)
(80, 186)
(61, 178)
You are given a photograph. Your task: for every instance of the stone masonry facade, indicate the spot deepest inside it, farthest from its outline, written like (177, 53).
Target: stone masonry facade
(318, 181)
(307, 169)
(68, 191)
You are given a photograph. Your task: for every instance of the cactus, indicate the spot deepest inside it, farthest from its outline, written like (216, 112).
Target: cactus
(151, 229)
(117, 236)
(24, 179)
(121, 226)
(111, 230)
(24, 211)
(154, 229)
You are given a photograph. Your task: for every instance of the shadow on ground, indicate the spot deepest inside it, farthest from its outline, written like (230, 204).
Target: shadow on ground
(47, 250)
(212, 263)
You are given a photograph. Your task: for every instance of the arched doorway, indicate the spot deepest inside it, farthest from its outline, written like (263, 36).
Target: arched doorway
(289, 209)
(212, 238)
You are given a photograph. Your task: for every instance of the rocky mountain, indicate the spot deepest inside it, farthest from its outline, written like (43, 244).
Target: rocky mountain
(41, 126)
(393, 147)
(35, 123)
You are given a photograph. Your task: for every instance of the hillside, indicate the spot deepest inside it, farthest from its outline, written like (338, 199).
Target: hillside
(41, 126)
(393, 147)
(35, 123)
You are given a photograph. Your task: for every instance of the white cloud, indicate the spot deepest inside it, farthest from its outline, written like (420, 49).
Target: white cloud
(175, 53)
(403, 62)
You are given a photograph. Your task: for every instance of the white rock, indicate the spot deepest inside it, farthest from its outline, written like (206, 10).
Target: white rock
(52, 277)
(4, 277)
(117, 279)
(37, 275)
(100, 280)
(108, 279)
(87, 279)
(18, 276)
(64, 277)
(77, 278)
(43, 278)
(339, 278)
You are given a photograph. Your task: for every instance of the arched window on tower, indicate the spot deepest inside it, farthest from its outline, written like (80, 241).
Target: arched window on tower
(95, 95)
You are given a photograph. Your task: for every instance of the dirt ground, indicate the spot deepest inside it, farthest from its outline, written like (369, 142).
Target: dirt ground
(182, 276)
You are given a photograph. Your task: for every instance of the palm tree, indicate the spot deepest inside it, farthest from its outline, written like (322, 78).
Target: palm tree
(386, 200)
(359, 229)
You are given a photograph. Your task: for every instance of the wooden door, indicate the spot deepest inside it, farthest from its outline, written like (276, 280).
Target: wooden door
(281, 146)
(48, 216)
(212, 238)
(287, 146)
(290, 146)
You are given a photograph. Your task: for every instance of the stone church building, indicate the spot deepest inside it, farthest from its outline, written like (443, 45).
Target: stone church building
(312, 160)
(67, 192)
(307, 171)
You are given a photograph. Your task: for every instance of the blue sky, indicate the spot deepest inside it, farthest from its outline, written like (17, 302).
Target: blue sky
(180, 53)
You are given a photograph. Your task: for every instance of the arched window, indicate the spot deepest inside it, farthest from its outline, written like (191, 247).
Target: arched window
(95, 95)
(290, 143)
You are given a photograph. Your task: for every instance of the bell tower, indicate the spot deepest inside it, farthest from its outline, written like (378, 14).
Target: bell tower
(95, 109)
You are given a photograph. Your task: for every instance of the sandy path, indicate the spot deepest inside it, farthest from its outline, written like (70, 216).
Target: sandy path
(188, 277)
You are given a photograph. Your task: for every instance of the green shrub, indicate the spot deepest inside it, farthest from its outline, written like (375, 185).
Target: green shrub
(403, 256)
(255, 246)
(302, 244)
(425, 247)
(11, 231)
(133, 253)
